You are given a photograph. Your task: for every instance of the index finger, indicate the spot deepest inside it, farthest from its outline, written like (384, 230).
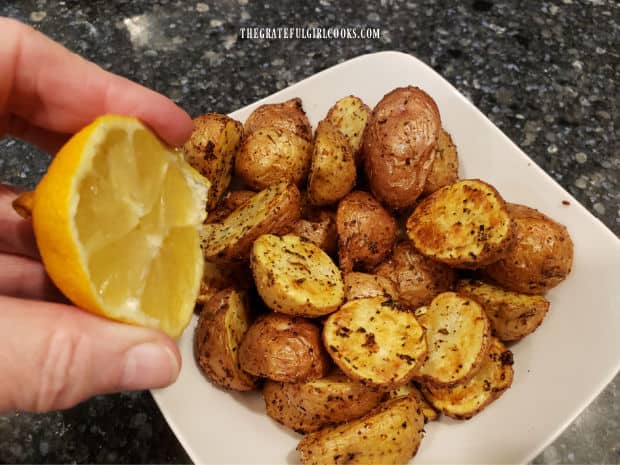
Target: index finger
(52, 88)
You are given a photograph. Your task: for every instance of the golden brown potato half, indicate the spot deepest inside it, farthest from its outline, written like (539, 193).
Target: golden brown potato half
(289, 116)
(366, 232)
(231, 201)
(399, 145)
(284, 348)
(295, 277)
(458, 334)
(465, 400)
(350, 116)
(429, 412)
(319, 227)
(332, 170)
(445, 169)
(418, 279)
(465, 225)
(376, 342)
(217, 277)
(308, 406)
(273, 210)
(389, 434)
(221, 327)
(211, 149)
(272, 155)
(362, 285)
(540, 257)
(513, 315)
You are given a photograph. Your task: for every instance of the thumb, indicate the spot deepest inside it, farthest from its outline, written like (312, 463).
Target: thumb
(53, 356)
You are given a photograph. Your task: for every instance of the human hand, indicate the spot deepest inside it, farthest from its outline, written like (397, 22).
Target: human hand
(53, 355)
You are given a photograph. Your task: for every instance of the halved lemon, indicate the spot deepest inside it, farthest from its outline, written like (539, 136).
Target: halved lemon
(116, 219)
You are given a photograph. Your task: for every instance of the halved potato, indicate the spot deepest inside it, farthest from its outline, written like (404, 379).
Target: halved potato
(310, 405)
(217, 277)
(295, 277)
(466, 399)
(512, 315)
(221, 327)
(318, 227)
(465, 225)
(211, 149)
(350, 115)
(399, 145)
(366, 232)
(332, 170)
(445, 169)
(409, 389)
(376, 342)
(288, 115)
(284, 348)
(458, 334)
(273, 210)
(417, 278)
(540, 257)
(229, 203)
(362, 285)
(389, 434)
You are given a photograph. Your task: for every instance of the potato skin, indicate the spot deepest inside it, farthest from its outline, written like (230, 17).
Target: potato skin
(389, 434)
(445, 169)
(399, 145)
(229, 203)
(211, 149)
(366, 232)
(319, 227)
(332, 170)
(362, 285)
(418, 279)
(512, 315)
(284, 348)
(221, 326)
(310, 405)
(217, 277)
(273, 210)
(540, 257)
(350, 116)
(289, 116)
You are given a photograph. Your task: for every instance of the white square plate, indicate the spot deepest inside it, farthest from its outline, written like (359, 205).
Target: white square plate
(558, 370)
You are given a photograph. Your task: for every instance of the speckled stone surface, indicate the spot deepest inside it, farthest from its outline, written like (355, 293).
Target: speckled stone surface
(546, 73)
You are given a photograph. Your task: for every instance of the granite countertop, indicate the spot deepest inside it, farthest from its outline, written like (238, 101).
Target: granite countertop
(545, 72)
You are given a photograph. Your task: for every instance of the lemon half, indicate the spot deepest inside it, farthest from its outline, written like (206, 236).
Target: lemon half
(116, 219)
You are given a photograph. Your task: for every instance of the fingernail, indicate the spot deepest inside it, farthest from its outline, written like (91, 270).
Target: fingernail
(149, 365)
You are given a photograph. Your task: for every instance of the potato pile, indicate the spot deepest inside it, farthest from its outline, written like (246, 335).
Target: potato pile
(356, 280)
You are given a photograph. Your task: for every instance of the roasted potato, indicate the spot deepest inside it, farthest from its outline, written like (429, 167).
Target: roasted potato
(362, 285)
(310, 405)
(211, 149)
(318, 227)
(284, 348)
(399, 145)
(429, 412)
(445, 169)
(389, 434)
(221, 326)
(465, 225)
(417, 279)
(458, 334)
(289, 116)
(332, 169)
(295, 277)
(376, 342)
(277, 146)
(273, 210)
(350, 116)
(540, 257)
(466, 399)
(217, 277)
(512, 315)
(366, 232)
(229, 203)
